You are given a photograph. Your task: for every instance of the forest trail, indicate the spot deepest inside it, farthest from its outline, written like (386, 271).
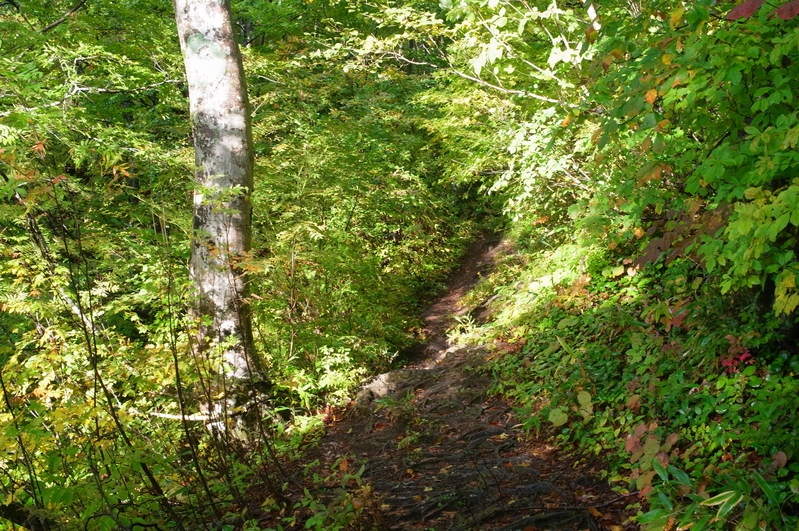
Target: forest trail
(440, 453)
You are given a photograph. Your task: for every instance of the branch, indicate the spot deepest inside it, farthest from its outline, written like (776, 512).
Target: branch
(170, 416)
(457, 72)
(571, 507)
(90, 90)
(40, 242)
(28, 109)
(66, 16)
(511, 91)
(112, 90)
(512, 53)
(404, 59)
(501, 89)
(269, 79)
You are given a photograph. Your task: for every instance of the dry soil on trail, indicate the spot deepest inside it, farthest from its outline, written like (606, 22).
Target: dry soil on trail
(440, 453)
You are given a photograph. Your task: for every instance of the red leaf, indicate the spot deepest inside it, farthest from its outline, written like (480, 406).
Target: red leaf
(677, 320)
(780, 459)
(633, 444)
(634, 402)
(789, 10)
(745, 10)
(671, 439)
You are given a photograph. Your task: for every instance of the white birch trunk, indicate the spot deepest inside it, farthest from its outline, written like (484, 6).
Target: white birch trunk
(222, 211)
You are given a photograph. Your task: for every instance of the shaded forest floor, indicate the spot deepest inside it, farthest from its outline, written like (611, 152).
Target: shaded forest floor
(439, 453)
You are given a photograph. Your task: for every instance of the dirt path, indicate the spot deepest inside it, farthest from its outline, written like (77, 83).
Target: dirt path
(441, 454)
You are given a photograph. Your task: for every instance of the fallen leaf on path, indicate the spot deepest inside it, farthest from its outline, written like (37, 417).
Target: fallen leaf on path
(594, 512)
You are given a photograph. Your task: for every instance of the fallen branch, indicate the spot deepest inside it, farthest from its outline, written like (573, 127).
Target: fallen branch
(571, 507)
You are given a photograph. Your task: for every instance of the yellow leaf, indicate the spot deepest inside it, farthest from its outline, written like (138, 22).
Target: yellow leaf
(668, 58)
(651, 96)
(594, 512)
(676, 17)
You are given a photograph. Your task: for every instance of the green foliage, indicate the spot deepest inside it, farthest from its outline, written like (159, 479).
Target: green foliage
(344, 508)
(698, 126)
(685, 390)
(665, 322)
(352, 230)
(645, 167)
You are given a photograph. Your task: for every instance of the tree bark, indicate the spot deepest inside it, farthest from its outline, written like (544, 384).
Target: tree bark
(223, 184)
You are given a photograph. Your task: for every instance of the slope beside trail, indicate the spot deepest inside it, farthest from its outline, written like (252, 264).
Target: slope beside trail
(440, 453)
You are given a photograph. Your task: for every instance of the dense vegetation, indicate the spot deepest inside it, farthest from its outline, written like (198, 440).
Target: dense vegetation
(642, 160)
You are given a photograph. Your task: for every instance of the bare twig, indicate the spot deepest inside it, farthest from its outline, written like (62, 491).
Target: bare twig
(261, 76)
(65, 17)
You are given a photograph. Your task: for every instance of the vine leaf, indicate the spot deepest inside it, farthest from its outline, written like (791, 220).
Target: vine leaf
(745, 10)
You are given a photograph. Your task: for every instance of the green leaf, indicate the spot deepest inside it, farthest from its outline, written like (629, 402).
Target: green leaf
(665, 501)
(649, 121)
(661, 472)
(633, 106)
(719, 499)
(584, 398)
(768, 490)
(681, 476)
(729, 505)
(654, 518)
(778, 225)
(558, 417)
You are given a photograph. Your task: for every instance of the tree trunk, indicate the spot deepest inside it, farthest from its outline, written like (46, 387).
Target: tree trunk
(224, 181)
